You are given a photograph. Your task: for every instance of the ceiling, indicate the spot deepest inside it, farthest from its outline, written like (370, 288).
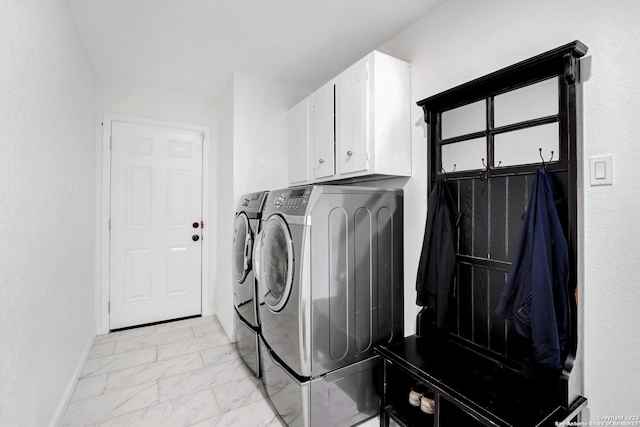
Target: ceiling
(197, 45)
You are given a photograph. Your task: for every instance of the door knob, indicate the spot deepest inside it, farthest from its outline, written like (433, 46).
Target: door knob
(195, 237)
(196, 225)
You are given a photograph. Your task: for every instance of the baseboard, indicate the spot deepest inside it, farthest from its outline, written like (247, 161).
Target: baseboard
(101, 330)
(208, 311)
(228, 329)
(66, 397)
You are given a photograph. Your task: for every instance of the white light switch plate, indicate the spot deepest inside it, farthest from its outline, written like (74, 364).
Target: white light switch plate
(601, 170)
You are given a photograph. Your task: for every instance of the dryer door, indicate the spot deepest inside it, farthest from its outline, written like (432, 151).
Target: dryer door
(243, 283)
(242, 245)
(276, 263)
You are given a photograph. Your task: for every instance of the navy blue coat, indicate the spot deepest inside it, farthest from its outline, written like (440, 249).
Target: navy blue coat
(535, 295)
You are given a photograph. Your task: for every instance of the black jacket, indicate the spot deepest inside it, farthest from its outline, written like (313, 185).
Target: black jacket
(438, 258)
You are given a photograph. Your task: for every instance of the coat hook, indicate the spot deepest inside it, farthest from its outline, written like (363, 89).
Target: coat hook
(487, 171)
(445, 172)
(544, 163)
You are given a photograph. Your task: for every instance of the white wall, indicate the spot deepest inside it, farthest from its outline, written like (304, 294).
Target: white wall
(465, 39)
(260, 133)
(226, 205)
(252, 157)
(47, 105)
(157, 104)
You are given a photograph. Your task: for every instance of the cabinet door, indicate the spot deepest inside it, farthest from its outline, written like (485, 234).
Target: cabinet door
(352, 119)
(324, 131)
(298, 144)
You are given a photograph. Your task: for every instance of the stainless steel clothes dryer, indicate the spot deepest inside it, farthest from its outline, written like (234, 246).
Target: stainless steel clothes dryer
(247, 325)
(328, 261)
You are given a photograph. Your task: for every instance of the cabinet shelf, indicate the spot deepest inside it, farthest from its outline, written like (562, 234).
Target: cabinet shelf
(397, 398)
(409, 418)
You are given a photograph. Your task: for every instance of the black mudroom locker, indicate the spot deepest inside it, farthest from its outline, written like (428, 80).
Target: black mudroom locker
(488, 139)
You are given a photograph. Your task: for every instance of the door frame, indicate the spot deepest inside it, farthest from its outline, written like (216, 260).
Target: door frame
(102, 304)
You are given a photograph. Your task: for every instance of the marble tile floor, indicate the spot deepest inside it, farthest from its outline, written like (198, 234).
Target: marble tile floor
(178, 374)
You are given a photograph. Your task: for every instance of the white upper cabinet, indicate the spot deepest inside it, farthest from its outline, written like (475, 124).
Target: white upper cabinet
(360, 123)
(323, 141)
(299, 130)
(353, 119)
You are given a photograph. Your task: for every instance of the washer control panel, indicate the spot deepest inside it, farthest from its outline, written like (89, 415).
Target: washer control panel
(292, 201)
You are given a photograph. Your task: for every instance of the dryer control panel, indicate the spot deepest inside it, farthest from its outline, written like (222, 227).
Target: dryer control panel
(251, 204)
(252, 201)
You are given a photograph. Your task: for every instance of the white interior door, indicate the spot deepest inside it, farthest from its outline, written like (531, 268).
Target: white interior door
(156, 211)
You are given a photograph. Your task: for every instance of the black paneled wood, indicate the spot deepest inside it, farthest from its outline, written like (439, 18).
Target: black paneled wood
(498, 218)
(454, 307)
(480, 220)
(488, 232)
(517, 197)
(561, 184)
(480, 306)
(465, 301)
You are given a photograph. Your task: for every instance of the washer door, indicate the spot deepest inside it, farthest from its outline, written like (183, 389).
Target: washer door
(242, 248)
(276, 263)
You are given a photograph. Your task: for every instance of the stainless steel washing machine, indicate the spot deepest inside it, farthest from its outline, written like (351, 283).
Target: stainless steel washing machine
(329, 265)
(247, 324)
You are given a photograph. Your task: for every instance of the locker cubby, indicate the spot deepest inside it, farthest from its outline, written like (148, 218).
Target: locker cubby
(397, 403)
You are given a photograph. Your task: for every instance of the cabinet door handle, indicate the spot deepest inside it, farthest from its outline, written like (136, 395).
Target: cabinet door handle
(321, 161)
(349, 153)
